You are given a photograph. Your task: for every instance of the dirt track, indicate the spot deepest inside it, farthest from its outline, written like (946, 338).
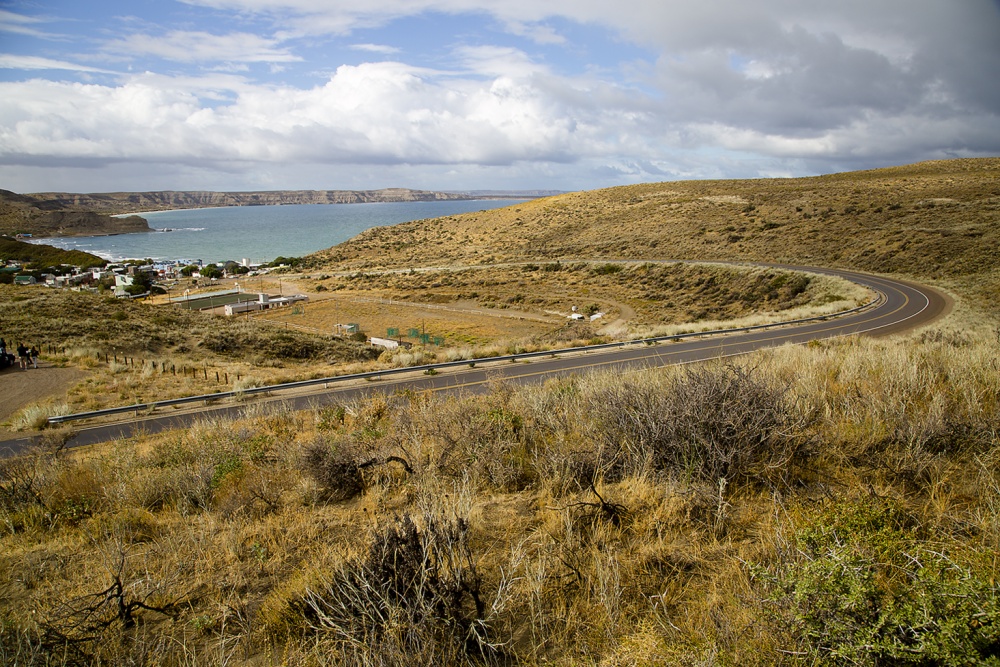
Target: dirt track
(20, 388)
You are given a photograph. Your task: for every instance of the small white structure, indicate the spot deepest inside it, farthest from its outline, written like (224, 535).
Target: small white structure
(242, 307)
(263, 302)
(121, 282)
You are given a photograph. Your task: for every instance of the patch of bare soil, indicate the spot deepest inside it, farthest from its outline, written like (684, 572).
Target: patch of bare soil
(619, 325)
(19, 388)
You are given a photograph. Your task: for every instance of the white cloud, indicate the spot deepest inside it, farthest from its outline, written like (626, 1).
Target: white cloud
(540, 34)
(373, 113)
(11, 61)
(20, 24)
(382, 49)
(497, 61)
(191, 47)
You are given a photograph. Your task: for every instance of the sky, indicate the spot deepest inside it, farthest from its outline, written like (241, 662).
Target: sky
(231, 95)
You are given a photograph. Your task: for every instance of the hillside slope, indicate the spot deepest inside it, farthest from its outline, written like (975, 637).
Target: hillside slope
(933, 219)
(824, 504)
(41, 256)
(24, 214)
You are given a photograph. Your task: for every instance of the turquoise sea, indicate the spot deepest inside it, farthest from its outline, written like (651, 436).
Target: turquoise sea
(259, 233)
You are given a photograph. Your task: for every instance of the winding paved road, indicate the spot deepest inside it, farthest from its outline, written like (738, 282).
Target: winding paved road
(904, 306)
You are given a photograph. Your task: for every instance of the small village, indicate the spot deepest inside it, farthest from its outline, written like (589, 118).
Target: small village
(246, 289)
(137, 279)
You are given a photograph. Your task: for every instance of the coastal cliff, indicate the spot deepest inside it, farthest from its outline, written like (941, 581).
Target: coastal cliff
(130, 202)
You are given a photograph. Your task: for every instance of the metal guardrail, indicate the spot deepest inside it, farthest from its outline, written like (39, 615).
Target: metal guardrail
(207, 398)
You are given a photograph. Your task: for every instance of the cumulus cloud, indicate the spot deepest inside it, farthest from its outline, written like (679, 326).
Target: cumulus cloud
(373, 113)
(715, 88)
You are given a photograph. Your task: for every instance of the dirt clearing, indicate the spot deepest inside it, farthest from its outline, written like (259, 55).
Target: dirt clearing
(22, 388)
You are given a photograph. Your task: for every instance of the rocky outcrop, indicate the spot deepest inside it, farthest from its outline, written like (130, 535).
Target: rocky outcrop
(86, 223)
(129, 202)
(24, 214)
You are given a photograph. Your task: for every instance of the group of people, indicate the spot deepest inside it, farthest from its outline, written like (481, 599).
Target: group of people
(25, 356)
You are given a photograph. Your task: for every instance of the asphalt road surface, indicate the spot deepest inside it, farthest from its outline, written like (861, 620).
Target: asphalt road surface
(904, 306)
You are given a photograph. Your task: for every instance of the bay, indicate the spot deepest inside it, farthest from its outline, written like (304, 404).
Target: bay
(260, 233)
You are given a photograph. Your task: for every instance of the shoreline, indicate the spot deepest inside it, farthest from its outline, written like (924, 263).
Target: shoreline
(35, 237)
(170, 210)
(259, 233)
(513, 199)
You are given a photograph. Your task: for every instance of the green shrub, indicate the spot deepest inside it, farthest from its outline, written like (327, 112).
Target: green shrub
(868, 586)
(608, 269)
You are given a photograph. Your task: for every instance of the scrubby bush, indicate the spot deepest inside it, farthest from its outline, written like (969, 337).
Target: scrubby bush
(486, 442)
(334, 467)
(709, 422)
(413, 598)
(865, 587)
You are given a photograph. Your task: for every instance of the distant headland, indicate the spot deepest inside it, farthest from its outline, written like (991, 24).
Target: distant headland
(72, 214)
(117, 203)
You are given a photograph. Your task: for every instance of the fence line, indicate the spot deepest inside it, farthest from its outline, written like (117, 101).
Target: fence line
(327, 381)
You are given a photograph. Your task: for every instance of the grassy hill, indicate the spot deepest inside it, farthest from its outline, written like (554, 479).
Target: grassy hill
(830, 504)
(934, 220)
(161, 342)
(41, 256)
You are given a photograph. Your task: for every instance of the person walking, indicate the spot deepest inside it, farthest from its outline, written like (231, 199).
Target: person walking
(33, 352)
(22, 356)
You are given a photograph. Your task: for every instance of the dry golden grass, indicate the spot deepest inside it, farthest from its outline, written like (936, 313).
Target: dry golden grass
(143, 352)
(577, 551)
(836, 503)
(528, 305)
(934, 220)
(454, 324)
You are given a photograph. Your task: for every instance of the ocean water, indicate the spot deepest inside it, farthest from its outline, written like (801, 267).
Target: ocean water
(259, 233)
